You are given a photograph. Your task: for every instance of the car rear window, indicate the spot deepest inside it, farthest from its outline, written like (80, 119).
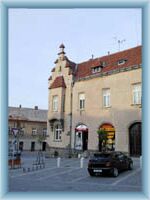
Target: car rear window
(102, 155)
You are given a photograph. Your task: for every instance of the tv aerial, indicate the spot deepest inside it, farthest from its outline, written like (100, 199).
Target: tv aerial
(119, 42)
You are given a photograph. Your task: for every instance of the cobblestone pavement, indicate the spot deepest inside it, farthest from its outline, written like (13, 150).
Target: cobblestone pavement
(70, 177)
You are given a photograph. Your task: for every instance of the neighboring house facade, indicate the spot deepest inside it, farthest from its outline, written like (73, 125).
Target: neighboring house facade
(101, 93)
(28, 127)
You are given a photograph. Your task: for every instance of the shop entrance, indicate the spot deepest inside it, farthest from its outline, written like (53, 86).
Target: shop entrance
(81, 138)
(135, 139)
(110, 140)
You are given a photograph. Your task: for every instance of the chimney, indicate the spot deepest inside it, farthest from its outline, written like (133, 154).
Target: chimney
(108, 52)
(36, 107)
(20, 106)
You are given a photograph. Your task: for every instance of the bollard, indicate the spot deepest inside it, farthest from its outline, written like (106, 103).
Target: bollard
(58, 162)
(81, 162)
(141, 162)
(24, 170)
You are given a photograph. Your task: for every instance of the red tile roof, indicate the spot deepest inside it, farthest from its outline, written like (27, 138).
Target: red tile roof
(58, 82)
(132, 56)
(71, 65)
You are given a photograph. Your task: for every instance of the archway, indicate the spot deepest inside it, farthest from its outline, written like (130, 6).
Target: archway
(110, 140)
(81, 137)
(135, 139)
(43, 146)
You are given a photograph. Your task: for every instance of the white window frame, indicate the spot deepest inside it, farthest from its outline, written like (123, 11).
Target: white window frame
(55, 103)
(82, 101)
(57, 132)
(137, 94)
(122, 61)
(96, 69)
(44, 131)
(34, 131)
(106, 98)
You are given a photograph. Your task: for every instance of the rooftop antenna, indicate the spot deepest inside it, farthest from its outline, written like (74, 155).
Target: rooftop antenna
(119, 42)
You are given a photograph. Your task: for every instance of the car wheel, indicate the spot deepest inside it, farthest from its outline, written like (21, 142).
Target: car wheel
(130, 167)
(115, 172)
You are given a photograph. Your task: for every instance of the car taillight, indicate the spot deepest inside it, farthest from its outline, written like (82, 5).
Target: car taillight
(108, 164)
(89, 163)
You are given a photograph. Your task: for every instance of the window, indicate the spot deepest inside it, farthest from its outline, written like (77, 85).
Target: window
(57, 132)
(44, 131)
(122, 61)
(137, 94)
(81, 101)
(106, 97)
(96, 69)
(103, 63)
(34, 131)
(55, 103)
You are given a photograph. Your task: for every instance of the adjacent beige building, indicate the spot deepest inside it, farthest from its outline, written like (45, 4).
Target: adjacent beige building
(27, 128)
(101, 93)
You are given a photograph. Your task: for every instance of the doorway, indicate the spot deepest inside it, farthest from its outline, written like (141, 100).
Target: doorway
(81, 138)
(110, 137)
(135, 139)
(44, 146)
(21, 146)
(85, 141)
(32, 146)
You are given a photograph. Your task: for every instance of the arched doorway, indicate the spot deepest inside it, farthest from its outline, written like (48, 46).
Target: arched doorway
(43, 146)
(135, 139)
(110, 140)
(81, 137)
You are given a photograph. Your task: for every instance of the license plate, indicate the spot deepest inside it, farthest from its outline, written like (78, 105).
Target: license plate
(97, 170)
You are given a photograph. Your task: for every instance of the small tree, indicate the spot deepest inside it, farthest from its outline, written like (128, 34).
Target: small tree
(102, 137)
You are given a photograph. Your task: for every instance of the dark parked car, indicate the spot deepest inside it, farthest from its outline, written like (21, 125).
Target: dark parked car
(109, 162)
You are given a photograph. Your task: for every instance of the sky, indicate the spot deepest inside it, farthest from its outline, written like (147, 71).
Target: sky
(36, 34)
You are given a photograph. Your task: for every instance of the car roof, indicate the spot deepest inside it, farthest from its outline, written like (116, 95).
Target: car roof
(107, 152)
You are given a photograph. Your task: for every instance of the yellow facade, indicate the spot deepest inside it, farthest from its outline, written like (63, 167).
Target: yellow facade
(121, 113)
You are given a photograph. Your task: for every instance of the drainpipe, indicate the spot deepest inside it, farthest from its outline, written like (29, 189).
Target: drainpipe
(71, 118)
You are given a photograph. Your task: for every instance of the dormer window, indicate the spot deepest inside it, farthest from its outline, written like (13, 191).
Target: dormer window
(103, 64)
(96, 69)
(122, 61)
